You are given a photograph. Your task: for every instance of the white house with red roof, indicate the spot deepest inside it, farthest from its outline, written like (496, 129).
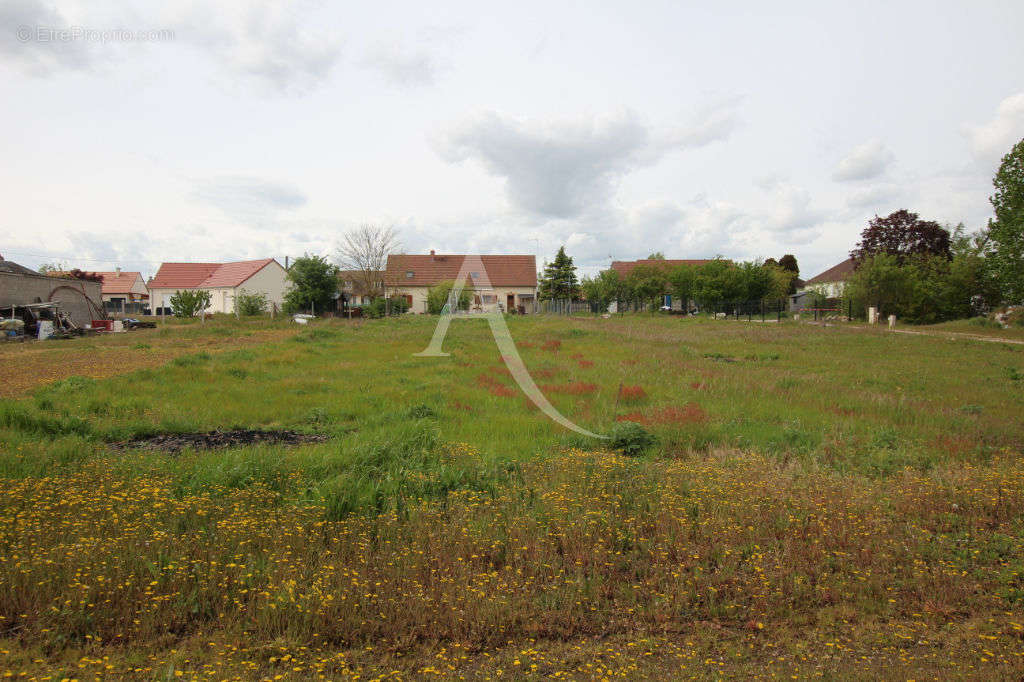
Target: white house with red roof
(224, 281)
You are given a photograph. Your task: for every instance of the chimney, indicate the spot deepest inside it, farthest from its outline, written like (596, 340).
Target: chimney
(431, 252)
(118, 270)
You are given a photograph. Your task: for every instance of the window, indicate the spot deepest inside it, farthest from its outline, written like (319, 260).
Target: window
(409, 274)
(474, 275)
(490, 298)
(348, 284)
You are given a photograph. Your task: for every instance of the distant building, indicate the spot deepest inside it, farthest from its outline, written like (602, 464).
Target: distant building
(124, 292)
(81, 299)
(224, 281)
(512, 280)
(832, 282)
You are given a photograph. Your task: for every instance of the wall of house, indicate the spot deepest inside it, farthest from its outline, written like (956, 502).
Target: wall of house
(18, 289)
(419, 297)
(272, 280)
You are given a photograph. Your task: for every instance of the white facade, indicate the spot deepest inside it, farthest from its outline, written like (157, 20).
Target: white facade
(270, 280)
(480, 300)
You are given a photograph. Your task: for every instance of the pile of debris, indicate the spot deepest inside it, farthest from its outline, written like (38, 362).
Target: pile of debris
(39, 320)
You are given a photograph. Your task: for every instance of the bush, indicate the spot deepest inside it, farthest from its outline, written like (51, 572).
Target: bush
(437, 297)
(190, 302)
(380, 307)
(250, 304)
(631, 439)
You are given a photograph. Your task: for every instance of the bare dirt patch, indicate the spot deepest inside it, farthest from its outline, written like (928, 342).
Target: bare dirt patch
(209, 440)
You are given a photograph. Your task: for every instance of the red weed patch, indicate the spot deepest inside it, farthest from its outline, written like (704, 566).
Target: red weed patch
(554, 345)
(460, 406)
(699, 386)
(691, 413)
(630, 362)
(501, 369)
(544, 373)
(632, 394)
(584, 364)
(572, 388)
(503, 391)
(525, 344)
(577, 356)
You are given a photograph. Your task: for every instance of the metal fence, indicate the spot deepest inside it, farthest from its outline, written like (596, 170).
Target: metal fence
(567, 307)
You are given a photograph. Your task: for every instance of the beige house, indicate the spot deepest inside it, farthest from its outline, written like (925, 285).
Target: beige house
(509, 282)
(124, 292)
(224, 281)
(352, 285)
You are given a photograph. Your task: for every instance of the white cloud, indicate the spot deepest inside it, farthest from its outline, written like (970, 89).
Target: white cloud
(267, 41)
(712, 122)
(877, 198)
(400, 66)
(990, 141)
(866, 161)
(249, 200)
(557, 169)
(26, 42)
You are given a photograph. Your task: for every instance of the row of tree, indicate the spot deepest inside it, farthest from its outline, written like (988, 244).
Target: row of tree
(922, 272)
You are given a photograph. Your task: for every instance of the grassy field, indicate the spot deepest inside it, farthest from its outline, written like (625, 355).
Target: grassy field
(820, 502)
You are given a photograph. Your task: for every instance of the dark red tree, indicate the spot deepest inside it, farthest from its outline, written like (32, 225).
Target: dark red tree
(788, 262)
(902, 234)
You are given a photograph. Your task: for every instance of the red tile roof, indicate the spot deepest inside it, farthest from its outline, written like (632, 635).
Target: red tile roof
(624, 267)
(428, 270)
(206, 275)
(118, 282)
(837, 273)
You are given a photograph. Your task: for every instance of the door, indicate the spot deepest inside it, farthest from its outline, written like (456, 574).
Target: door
(510, 303)
(408, 301)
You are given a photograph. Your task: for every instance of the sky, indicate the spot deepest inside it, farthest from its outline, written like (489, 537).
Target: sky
(137, 133)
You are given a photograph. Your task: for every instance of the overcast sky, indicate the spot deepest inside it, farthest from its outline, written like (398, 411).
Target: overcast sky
(617, 129)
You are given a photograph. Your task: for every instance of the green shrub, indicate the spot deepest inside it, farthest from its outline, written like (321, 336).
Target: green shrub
(631, 439)
(437, 297)
(381, 307)
(249, 304)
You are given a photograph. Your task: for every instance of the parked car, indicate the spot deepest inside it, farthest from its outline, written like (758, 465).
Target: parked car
(133, 323)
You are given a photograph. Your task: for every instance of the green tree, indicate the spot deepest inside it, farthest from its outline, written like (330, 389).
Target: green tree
(682, 281)
(657, 255)
(880, 281)
(1006, 232)
(437, 297)
(720, 281)
(251, 303)
(190, 302)
(647, 284)
(314, 282)
(788, 262)
(758, 280)
(602, 289)
(558, 281)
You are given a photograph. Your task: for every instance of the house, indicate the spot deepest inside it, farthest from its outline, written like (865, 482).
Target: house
(625, 267)
(224, 281)
(352, 285)
(124, 292)
(79, 298)
(831, 282)
(508, 283)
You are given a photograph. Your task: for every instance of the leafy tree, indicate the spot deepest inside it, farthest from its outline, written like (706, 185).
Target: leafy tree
(901, 234)
(190, 302)
(558, 281)
(647, 284)
(788, 262)
(758, 280)
(1006, 232)
(606, 287)
(718, 281)
(657, 255)
(437, 297)
(313, 284)
(47, 268)
(251, 303)
(880, 281)
(381, 307)
(682, 281)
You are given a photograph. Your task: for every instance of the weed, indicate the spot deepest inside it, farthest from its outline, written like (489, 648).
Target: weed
(630, 439)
